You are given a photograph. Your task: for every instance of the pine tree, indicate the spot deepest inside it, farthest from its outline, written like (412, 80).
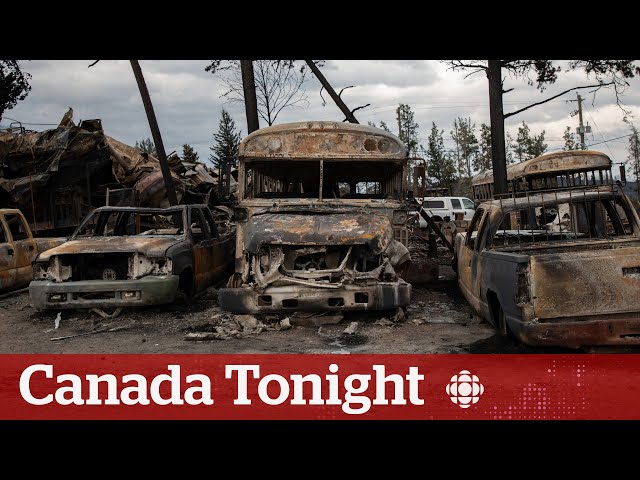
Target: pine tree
(463, 134)
(384, 127)
(188, 154)
(569, 140)
(440, 164)
(528, 146)
(225, 149)
(408, 129)
(147, 146)
(483, 161)
(633, 156)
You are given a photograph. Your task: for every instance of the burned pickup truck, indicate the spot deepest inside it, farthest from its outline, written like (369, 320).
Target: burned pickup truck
(128, 256)
(556, 266)
(18, 249)
(320, 220)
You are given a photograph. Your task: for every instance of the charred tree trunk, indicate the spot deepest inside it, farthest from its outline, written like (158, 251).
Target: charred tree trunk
(336, 98)
(155, 132)
(498, 151)
(250, 99)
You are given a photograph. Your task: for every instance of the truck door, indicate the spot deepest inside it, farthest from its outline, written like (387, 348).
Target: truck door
(24, 248)
(203, 245)
(469, 271)
(222, 249)
(7, 258)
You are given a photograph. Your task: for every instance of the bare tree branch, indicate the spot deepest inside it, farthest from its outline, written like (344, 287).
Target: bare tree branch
(340, 94)
(358, 108)
(555, 96)
(463, 65)
(324, 102)
(278, 85)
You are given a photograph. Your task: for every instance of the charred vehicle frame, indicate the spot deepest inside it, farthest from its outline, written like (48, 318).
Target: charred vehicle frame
(321, 223)
(130, 256)
(556, 266)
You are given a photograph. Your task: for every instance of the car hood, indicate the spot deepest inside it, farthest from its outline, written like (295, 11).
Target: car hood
(150, 246)
(373, 230)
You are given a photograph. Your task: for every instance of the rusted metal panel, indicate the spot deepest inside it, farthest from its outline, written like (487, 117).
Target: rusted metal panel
(586, 283)
(322, 140)
(550, 163)
(613, 329)
(151, 246)
(380, 296)
(103, 294)
(330, 229)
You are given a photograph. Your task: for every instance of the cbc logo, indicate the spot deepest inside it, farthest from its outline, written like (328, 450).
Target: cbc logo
(465, 389)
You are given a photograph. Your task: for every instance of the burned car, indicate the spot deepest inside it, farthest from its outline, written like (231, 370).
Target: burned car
(556, 266)
(129, 256)
(321, 223)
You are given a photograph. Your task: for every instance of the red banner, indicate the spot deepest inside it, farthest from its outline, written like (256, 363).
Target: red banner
(300, 387)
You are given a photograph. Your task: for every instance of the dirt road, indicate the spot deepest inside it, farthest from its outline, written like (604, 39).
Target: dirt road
(438, 321)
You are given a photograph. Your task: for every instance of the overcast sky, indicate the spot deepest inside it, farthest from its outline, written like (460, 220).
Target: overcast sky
(187, 100)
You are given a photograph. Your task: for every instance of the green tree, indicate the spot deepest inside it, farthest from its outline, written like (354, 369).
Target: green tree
(14, 85)
(382, 126)
(633, 157)
(188, 154)
(569, 140)
(510, 146)
(227, 139)
(463, 134)
(408, 129)
(440, 164)
(408, 133)
(482, 161)
(527, 145)
(147, 146)
(606, 73)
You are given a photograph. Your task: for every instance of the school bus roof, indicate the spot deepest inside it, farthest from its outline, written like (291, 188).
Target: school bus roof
(316, 140)
(569, 160)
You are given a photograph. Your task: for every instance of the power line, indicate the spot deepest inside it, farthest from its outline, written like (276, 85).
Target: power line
(598, 143)
(596, 125)
(25, 123)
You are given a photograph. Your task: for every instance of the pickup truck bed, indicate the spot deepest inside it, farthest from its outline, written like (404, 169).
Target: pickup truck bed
(572, 289)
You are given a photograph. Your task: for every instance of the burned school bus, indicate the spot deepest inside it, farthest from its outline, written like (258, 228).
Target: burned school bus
(320, 220)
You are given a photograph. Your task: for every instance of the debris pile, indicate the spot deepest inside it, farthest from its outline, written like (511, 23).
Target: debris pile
(57, 176)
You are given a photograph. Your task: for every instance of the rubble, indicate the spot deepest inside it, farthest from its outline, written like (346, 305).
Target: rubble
(57, 176)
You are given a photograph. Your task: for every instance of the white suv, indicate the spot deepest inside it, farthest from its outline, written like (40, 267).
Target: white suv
(440, 207)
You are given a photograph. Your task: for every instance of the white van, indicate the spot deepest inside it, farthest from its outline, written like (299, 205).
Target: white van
(440, 207)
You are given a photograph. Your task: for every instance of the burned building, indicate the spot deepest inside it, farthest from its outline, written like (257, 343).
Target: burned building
(57, 176)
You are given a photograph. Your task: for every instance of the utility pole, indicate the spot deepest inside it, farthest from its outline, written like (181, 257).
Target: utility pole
(155, 132)
(250, 100)
(582, 129)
